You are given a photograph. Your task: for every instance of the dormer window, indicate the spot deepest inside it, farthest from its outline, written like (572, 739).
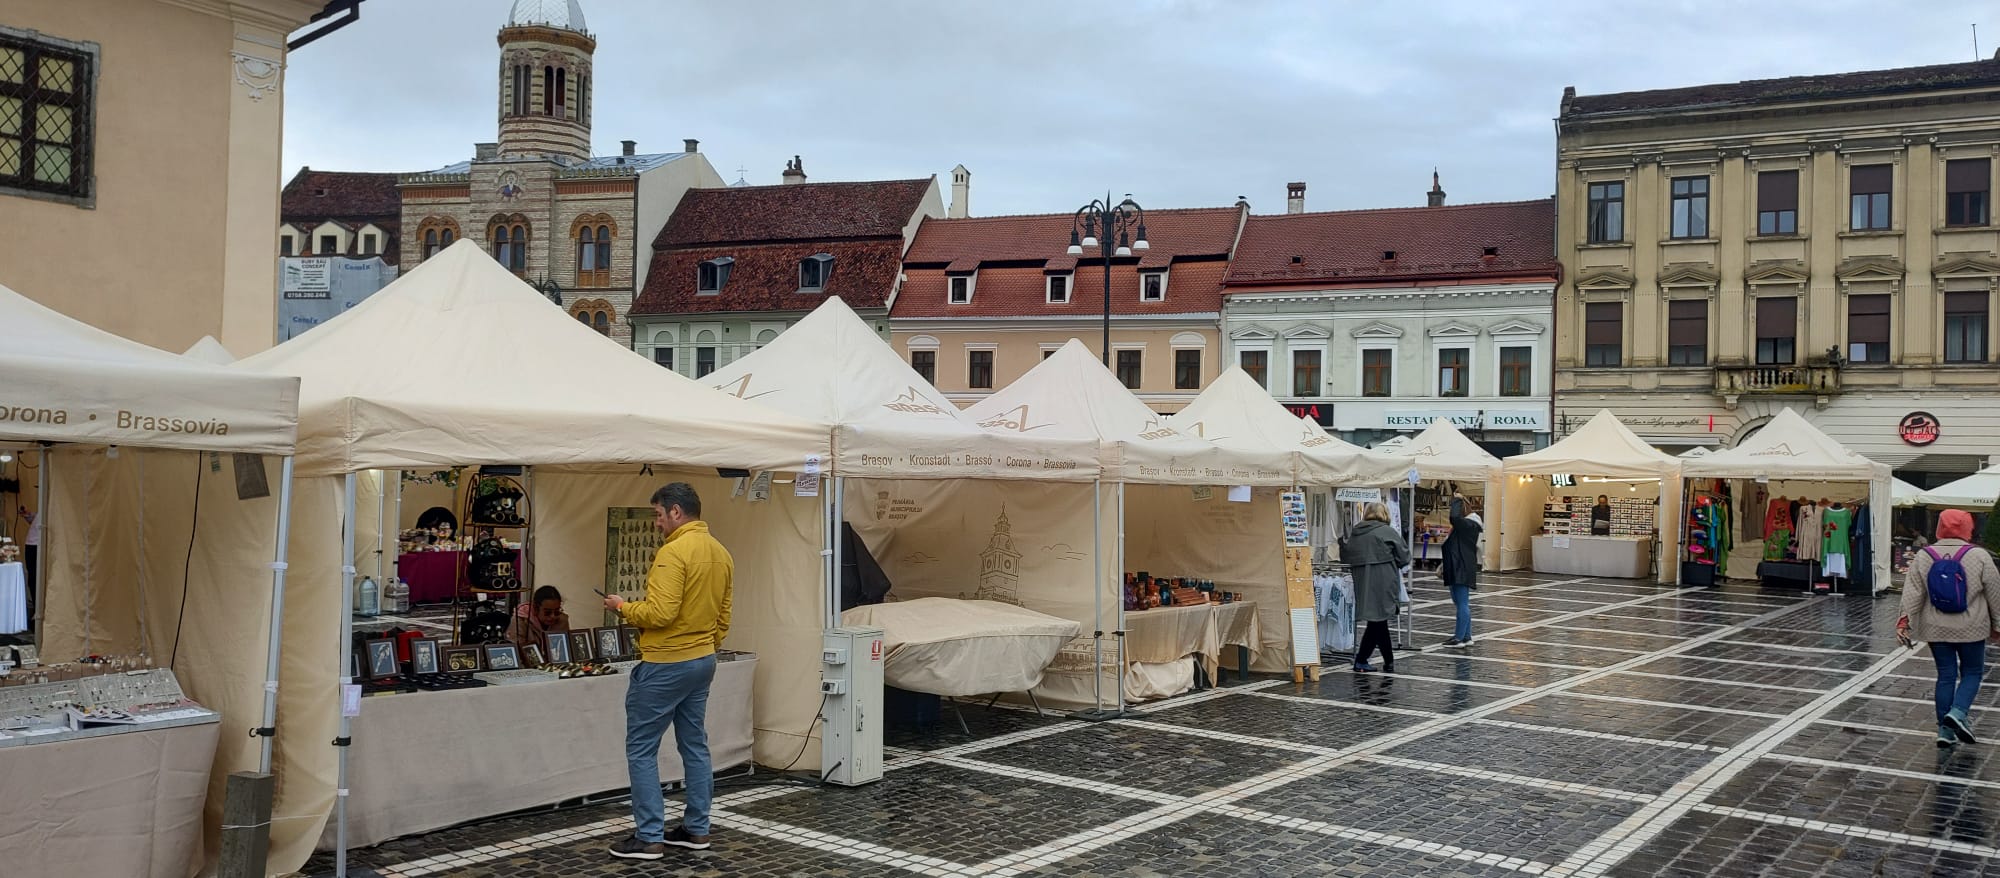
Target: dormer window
(1153, 286)
(1058, 293)
(813, 272)
(713, 274)
(960, 289)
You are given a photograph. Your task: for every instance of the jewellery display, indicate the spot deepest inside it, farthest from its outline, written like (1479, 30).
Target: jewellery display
(443, 682)
(567, 670)
(94, 705)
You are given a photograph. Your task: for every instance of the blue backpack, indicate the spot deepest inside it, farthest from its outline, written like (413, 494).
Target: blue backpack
(1946, 580)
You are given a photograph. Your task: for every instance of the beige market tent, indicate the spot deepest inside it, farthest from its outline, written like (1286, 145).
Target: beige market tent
(1602, 448)
(1790, 449)
(1976, 492)
(459, 362)
(210, 351)
(1442, 453)
(1905, 494)
(833, 368)
(1237, 413)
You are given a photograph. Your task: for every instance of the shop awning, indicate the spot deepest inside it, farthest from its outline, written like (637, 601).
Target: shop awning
(62, 380)
(889, 421)
(1237, 413)
(460, 362)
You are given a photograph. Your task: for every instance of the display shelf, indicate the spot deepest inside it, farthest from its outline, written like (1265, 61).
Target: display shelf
(490, 567)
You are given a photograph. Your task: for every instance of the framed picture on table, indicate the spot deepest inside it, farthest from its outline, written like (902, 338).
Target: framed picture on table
(381, 659)
(558, 646)
(502, 657)
(424, 656)
(461, 659)
(631, 636)
(531, 655)
(610, 646)
(580, 647)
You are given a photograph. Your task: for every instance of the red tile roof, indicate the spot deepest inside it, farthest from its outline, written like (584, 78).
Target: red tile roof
(1013, 255)
(765, 277)
(797, 212)
(1867, 83)
(347, 195)
(1429, 242)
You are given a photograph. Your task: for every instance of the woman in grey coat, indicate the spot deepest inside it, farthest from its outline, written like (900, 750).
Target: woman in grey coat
(1461, 568)
(1377, 555)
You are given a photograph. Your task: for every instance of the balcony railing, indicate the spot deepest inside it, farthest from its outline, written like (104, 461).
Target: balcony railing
(1734, 381)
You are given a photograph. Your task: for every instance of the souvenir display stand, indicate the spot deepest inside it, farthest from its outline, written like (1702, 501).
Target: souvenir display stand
(593, 445)
(110, 760)
(1446, 461)
(1821, 511)
(1551, 520)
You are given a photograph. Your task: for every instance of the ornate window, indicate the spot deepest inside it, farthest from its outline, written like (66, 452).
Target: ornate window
(437, 233)
(47, 130)
(593, 234)
(509, 237)
(594, 313)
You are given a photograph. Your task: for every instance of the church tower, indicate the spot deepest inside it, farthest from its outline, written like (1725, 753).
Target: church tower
(545, 81)
(1000, 566)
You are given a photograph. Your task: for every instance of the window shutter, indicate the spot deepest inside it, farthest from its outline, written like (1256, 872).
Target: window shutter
(1869, 179)
(1967, 175)
(1777, 317)
(1778, 190)
(1687, 322)
(1868, 319)
(1603, 323)
(1964, 303)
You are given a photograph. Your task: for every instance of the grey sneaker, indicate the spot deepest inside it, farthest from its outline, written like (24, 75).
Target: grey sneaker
(1945, 737)
(631, 848)
(1459, 644)
(1955, 721)
(679, 837)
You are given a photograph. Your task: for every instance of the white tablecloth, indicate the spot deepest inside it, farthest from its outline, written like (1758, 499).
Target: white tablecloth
(1161, 646)
(13, 598)
(1579, 555)
(127, 804)
(427, 760)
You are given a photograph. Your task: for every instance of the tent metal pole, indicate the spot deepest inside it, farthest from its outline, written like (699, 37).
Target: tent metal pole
(838, 495)
(396, 519)
(827, 578)
(274, 642)
(382, 529)
(342, 742)
(1097, 711)
(41, 525)
(1121, 604)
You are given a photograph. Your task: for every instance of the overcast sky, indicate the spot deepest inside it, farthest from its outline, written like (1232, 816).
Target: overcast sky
(1182, 103)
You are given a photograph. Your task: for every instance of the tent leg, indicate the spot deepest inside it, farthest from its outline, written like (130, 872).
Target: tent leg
(837, 495)
(346, 664)
(275, 641)
(41, 524)
(1096, 712)
(1122, 710)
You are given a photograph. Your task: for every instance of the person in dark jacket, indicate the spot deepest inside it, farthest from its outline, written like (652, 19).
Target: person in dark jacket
(1461, 568)
(1377, 555)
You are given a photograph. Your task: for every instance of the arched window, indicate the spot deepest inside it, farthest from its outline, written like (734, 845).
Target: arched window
(586, 251)
(594, 313)
(509, 237)
(601, 322)
(604, 248)
(593, 233)
(548, 91)
(445, 237)
(583, 98)
(430, 243)
(562, 92)
(436, 233)
(583, 317)
(519, 98)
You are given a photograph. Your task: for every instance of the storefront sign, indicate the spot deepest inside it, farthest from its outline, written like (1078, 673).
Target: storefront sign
(1417, 420)
(1527, 419)
(1562, 480)
(1320, 413)
(1919, 428)
(1358, 495)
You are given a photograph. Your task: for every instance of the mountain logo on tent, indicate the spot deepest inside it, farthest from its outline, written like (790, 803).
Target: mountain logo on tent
(912, 402)
(1201, 429)
(1015, 419)
(742, 388)
(1781, 449)
(1426, 451)
(1311, 438)
(1154, 430)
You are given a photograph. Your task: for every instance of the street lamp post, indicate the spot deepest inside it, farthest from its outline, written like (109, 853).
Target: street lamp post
(1099, 223)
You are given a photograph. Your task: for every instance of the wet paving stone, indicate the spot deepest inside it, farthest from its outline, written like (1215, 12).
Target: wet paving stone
(947, 813)
(1227, 847)
(1143, 759)
(1429, 627)
(1483, 815)
(1451, 665)
(1918, 753)
(1546, 653)
(1669, 611)
(1816, 639)
(984, 723)
(1325, 724)
(1930, 809)
(1660, 722)
(1733, 672)
(1661, 627)
(1926, 688)
(1564, 635)
(1494, 614)
(1906, 715)
(1771, 654)
(1702, 845)
(734, 855)
(1396, 690)
(1713, 694)
(1618, 765)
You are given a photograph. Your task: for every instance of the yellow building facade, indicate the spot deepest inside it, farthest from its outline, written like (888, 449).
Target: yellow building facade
(1820, 243)
(139, 163)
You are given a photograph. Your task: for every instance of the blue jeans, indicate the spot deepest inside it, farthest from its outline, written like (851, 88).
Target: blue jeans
(1960, 667)
(1461, 597)
(662, 693)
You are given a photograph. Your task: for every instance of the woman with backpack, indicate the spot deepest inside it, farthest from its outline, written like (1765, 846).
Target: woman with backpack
(1951, 600)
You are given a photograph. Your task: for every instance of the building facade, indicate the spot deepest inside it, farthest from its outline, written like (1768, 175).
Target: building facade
(350, 214)
(1374, 322)
(1822, 243)
(732, 268)
(546, 208)
(184, 178)
(984, 299)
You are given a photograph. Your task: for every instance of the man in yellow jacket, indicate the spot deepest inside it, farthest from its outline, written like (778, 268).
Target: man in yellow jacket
(681, 623)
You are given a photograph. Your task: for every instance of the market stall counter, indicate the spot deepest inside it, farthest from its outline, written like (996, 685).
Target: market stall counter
(1621, 557)
(428, 760)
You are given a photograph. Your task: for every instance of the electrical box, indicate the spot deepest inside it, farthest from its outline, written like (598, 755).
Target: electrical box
(851, 682)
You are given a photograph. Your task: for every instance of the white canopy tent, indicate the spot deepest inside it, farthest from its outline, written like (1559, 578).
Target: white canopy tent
(1442, 453)
(210, 351)
(1790, 449)
(1237, 413)
(1602, 448)
(1977, 492)
(83, 394)
(460, 362)
(1905, 494)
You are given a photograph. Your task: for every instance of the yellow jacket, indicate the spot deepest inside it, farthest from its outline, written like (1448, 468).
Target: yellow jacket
(685, 613)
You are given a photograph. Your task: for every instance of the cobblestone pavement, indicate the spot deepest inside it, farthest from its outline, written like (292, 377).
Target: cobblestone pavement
(1596, 728)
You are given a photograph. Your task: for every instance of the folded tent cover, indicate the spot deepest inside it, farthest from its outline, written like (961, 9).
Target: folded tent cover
(459, 362)
(889, 421)
(68, 381)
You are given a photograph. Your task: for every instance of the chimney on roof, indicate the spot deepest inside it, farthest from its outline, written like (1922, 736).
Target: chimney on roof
(961, 193)
(485, 152)
(795, 171)
(1295, 198)
(690, 145)
(1435, 197)
(631, 147)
